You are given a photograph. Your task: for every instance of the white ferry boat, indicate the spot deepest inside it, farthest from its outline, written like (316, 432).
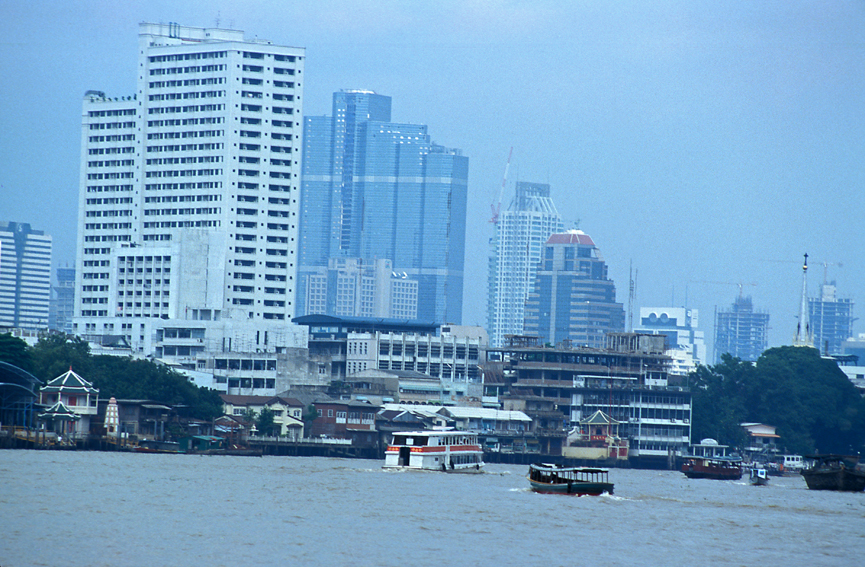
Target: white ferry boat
(435, 450)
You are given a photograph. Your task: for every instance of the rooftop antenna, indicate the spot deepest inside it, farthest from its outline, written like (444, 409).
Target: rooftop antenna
(632, 291)
(803, 328)
(497, 206)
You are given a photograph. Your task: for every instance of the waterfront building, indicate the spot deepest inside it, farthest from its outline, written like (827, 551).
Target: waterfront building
(344, 346)
(62, 306)
(685, 343)
(376, 189)
(189, 188)
(572, 298)
(831, 319)
(73, 403)
(346, 419)
(25, 276)
(287, 412)
(741, 331)
(520, 234)
(628, 380)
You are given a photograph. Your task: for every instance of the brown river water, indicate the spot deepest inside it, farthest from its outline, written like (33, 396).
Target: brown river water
(116, 509)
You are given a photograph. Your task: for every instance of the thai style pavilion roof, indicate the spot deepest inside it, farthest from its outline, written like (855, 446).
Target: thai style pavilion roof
(599, 418)
(59, 411)
(69, 383)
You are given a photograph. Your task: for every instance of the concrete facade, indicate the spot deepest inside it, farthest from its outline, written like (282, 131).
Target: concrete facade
(188, 204)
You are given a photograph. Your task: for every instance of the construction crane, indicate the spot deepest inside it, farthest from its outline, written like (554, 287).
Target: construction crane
(739, 284)
(496, 207)
(826, 269)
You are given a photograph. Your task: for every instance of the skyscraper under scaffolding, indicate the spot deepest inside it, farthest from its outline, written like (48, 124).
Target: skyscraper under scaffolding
(831, 319)
(741, 331)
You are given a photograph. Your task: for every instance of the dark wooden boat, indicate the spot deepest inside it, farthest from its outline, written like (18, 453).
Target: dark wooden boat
(717, 468)
(834, 472)
(555, 479)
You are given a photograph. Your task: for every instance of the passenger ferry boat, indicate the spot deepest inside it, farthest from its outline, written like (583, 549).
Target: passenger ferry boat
(710, 460)
(555, 479)
(445, 450)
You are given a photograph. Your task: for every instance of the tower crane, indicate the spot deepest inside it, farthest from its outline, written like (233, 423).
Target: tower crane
(826, 269)
(739, 284)
(496, 207)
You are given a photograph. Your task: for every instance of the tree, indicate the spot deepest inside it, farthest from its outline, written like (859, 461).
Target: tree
(265, 422)
(55, 354)
(248, 415)
(810, 401)
(15, 352)
(719, 404)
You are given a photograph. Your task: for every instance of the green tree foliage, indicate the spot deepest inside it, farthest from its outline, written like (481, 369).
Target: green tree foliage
(807, 398)
(55, 354)
(265, 422)
(720, 399)
(14, 351)
(123, 377)
(248, 415)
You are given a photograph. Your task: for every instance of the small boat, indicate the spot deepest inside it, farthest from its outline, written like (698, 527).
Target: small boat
(834, 472)
(759, 476)
(555, 479)
(717, 468)
(446, 450)
(708, 459)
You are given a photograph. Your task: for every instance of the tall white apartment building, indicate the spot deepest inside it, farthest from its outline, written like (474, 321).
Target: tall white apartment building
(520, 235)
(189, 188)
(25, 276)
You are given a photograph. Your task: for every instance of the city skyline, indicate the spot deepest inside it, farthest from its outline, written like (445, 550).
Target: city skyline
(707, 155)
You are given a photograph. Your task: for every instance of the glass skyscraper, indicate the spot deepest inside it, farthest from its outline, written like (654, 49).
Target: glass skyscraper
(573, 299)
(376, 189)
(25, 276)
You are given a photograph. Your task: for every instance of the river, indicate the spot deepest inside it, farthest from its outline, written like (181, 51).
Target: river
(94, 509)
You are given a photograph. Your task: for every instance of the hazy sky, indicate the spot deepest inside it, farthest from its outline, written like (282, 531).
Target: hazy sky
(704, 142)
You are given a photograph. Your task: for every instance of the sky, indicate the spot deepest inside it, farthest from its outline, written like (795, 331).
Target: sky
(706, 145)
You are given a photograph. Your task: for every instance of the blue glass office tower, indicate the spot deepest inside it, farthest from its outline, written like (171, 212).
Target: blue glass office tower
(573, 299)
(376, 189)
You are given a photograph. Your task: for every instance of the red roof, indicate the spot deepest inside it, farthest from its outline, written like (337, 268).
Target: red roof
(571, 237)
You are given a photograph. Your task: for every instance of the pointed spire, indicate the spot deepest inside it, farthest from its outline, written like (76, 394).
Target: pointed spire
(803, 328)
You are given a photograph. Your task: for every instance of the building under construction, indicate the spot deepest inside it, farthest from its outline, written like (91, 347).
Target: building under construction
(741, 331)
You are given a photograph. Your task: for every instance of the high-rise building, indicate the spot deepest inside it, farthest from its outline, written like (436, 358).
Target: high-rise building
(831, 320)
(520, 234)
(25, 276)
(685, 343)
(572, 298)
(741, 331)
(189, 192)
(377, 189)
(352, 287)
(63, 301)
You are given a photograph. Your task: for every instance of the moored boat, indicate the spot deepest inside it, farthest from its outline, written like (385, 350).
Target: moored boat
(445, 450)
(834, 472)
(759, 476)
(554, 479)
